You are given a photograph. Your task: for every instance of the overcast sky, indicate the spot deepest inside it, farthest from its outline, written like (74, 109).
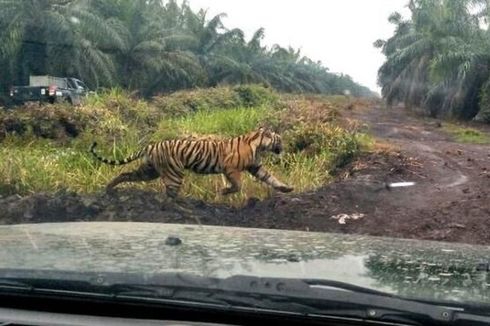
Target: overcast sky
(340, 33)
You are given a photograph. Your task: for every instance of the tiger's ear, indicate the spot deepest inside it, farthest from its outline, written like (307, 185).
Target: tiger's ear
(266, 131)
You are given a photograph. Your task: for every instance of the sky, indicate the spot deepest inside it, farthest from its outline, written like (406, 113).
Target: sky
(339, 33)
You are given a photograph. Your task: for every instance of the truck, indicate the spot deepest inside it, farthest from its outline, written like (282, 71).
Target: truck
(49, 89)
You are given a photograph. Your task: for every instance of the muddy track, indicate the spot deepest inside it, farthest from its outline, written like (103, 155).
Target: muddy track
(449, 202)
(450, 199)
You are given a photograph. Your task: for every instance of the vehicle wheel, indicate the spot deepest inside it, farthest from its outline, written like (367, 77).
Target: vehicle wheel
(9, 104)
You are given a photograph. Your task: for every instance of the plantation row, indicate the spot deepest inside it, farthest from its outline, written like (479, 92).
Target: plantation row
(438, 59)
(150, 47)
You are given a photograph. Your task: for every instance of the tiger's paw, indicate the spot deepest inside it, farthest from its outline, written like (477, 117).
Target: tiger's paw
(285, 188)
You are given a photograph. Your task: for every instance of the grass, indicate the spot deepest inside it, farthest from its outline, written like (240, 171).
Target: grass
(466, 135)
(29, 163)
(231, 122)
(182, 103)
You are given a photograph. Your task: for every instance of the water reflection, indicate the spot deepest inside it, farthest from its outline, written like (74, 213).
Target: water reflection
(429, 276)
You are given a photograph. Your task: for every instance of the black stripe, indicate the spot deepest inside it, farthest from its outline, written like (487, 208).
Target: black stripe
(238, 152)
(212, 163)
(173, 177)
(212, 157)
(161, 152)
(184, 149)
(254, 137)
(261, 139)
(177, 147)
(209, 157)
(218, 154)
(190, 153)
(201, 156)
(201, 152)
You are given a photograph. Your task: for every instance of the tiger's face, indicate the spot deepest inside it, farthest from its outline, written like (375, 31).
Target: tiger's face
(269, 141)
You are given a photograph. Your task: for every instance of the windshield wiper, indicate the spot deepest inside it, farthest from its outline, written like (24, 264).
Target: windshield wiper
(6, 283)
(306, 298)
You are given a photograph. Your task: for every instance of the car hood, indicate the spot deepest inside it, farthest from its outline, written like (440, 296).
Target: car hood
(410, 268)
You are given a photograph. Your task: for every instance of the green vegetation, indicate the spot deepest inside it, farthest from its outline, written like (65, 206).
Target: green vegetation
(218, 123)
(438, 59)
(467, 135)
(149, 47)
(317, 141)
(185, 102)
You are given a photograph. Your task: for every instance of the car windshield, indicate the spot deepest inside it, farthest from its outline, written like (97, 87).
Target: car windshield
(340, 140)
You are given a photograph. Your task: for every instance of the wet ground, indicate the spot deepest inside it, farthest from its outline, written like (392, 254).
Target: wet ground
(449, 201)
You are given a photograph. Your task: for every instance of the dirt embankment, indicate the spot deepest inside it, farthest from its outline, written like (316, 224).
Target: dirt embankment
(449, 201)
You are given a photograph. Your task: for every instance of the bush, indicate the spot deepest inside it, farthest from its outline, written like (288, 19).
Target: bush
(51, 121)
(337, 145)
(121, 103)
(304, 111)
(182, 103)
(107, 114)
(484, 113)
(255, 95)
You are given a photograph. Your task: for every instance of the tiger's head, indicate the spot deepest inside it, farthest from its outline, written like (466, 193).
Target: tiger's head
(267, 141)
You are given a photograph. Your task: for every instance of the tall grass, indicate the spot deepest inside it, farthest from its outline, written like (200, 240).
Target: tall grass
(230, 122)
(313, 150)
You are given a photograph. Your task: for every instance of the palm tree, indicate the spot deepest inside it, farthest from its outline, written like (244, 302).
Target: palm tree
(154, 57)
(403, 76)
(214, 46)
(56, 37)
(461, 65)
(437, 59)
(149, 46)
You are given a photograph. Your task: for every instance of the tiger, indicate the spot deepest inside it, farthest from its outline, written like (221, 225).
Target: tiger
(230, 156)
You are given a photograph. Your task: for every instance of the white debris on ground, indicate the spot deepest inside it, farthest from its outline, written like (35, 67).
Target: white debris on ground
(343, 217)
(401, 184)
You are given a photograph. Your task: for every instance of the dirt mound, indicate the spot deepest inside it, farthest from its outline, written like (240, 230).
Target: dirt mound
(47, 121)
(124, 205)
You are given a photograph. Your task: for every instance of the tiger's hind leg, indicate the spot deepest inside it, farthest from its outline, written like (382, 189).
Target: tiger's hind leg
(145, 172)
(234, 178)
(173, 180)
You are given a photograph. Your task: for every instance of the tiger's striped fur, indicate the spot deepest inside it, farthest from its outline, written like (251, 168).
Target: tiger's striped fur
(168, 159)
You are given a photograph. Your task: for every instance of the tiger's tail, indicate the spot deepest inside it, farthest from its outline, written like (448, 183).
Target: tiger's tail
(130, 158)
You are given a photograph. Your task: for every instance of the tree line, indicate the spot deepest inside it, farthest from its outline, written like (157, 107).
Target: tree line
(438, 59)
(148, 46)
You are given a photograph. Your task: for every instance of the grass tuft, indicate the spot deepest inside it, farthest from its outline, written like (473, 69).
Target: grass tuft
(466, 134)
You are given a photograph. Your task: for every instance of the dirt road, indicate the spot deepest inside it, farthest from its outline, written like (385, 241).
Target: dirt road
(449, 201)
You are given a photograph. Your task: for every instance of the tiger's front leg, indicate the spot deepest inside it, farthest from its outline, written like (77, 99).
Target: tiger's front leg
(260, 173)
(234, 178)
